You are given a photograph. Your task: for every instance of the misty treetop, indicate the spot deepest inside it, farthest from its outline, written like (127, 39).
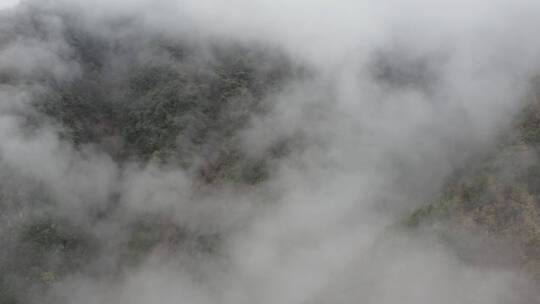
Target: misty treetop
(256, 151)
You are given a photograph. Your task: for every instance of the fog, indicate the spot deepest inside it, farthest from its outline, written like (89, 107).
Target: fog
(386, 99)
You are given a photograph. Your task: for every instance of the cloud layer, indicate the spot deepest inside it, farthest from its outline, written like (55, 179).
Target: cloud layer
(380, 102)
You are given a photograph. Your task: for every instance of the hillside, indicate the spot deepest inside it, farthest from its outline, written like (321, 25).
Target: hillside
(269, 152)
(151, 102)
(498, 196)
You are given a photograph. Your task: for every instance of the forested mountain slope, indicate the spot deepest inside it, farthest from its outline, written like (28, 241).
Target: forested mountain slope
(153, 101)
(269, 152)
(498, 195)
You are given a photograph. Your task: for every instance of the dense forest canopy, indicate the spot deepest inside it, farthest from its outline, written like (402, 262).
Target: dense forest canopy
(184, 151)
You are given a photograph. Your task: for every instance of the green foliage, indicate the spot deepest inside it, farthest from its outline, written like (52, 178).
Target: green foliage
(499, 195)
(150, 233)
(472, 192)
(437, 211)
(175, 111)
(530, 125)
(528, 121)
(42, 251)
(42, 239)
(531, 178)
(145, 235)
(150, 100)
